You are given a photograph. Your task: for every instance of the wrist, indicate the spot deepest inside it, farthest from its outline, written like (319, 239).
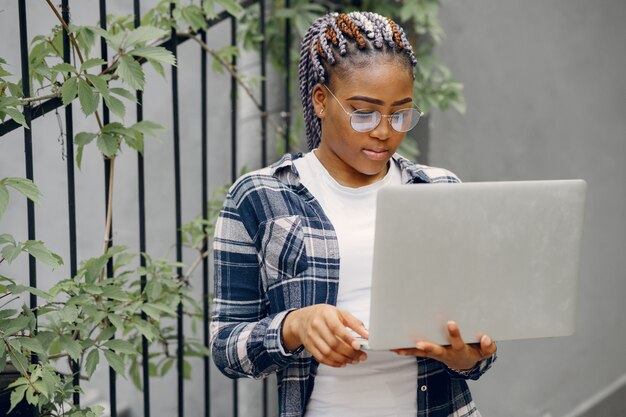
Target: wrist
(289, 337)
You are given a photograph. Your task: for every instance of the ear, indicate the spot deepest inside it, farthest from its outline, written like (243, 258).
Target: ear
(319, 95)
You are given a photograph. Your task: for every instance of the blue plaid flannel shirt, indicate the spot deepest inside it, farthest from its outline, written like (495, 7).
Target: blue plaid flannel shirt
(275, 251)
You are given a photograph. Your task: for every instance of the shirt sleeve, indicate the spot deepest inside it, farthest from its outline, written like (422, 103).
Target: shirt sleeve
(476, 372)
(245, 340)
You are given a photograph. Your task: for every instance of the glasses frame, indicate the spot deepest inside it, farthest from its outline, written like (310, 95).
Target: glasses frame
(387, 116)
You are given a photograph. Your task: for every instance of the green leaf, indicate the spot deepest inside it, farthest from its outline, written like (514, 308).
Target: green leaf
(115, 361)
(79, 155)
(115, 293)
(157, 67)
(37, 249)
(208, 6)
(87, 97)
(193, 16)
(108, 144)
(84, 138)
(16, 115)
(231, 6)
(15, 325)
(69, 313)
(123, 259)
(25, 187)
(142, 35)
(10, 252)
(116, 321)
(154, 313)
(18, 289)
(17, 395)
(106, 333)
(155, 53)
(4, 201)
(64, 67)
(19, 360)
(124, 93)
(145, 329)
(147, 127)
(130, 71)
(167, 365)
(99, 83)
(93, 358)
(32, 344)
(121, 346)
(115, 105)
(90, 63)
(69, 90)
(93, 267)
(71, 346)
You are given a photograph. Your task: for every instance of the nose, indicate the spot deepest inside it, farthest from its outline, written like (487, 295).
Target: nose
(384, 130)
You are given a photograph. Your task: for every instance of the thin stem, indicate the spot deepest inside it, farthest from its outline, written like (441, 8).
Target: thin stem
(194, 266)
(23, 370)
(109, 212)
(67, 29)
(27, 100)
(76, 48)
(233, 72)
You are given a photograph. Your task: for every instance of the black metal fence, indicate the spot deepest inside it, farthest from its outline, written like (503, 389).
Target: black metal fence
(33, 112)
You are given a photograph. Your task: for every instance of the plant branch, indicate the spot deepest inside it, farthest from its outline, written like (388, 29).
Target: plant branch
(27, 100)
(109, 213)
(67, 29)
(233, 72)
(194, 266)
(23, 370)
(76, 48)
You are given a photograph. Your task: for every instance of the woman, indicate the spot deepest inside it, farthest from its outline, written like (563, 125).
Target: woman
(294, 241)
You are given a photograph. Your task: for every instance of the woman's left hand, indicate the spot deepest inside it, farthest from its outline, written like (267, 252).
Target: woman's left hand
(458, 355)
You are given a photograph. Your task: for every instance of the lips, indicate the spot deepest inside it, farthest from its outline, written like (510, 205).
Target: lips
(376, 154)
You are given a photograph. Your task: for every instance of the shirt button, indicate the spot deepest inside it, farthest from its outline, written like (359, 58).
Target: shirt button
(424, 388)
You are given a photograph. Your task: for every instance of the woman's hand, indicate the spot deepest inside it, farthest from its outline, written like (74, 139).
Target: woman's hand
(321, 328)
(458, 355)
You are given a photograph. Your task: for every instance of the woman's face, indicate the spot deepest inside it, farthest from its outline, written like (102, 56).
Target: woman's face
(356, 158)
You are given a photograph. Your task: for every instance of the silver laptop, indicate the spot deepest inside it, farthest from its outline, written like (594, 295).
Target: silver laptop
(500, 258)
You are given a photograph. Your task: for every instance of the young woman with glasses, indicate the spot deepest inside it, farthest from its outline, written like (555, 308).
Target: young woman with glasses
(294, 241)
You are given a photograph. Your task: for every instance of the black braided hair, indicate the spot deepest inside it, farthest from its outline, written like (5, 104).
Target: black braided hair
(338, 42)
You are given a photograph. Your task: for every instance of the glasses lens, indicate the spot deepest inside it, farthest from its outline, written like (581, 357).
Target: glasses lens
(405, 119)
(365, 120)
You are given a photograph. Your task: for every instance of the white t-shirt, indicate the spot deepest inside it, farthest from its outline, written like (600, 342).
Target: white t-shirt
(385, 384)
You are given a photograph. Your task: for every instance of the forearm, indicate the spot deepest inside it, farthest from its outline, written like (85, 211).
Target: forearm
(249, 349)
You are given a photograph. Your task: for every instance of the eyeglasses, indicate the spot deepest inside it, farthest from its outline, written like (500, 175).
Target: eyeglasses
(364, 120)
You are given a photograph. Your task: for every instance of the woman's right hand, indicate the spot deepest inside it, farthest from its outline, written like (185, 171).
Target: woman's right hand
(321, 328)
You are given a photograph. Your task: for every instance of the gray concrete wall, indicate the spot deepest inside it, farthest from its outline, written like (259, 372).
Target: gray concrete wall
(546, 98)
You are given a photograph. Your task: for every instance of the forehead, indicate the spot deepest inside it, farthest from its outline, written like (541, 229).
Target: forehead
(387, 81)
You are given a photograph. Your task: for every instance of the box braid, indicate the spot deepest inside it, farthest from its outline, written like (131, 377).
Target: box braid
(356, 36)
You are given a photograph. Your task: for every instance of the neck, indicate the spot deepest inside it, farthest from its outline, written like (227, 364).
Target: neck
(345, 174)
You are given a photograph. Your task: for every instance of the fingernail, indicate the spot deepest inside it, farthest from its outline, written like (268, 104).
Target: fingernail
(420, 346)
(486, 340)
(355, 362)
(356, 345)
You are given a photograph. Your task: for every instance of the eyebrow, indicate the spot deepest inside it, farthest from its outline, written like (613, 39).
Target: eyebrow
(380, 102)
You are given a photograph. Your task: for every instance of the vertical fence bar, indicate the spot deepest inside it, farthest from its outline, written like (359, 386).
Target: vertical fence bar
(205, 216)
(263, 128)
(287, 63)
(233, 157)
(107, 184)
(263, 87)
(142, 235)
(177, 197)
(71, 187)
(28, 145)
